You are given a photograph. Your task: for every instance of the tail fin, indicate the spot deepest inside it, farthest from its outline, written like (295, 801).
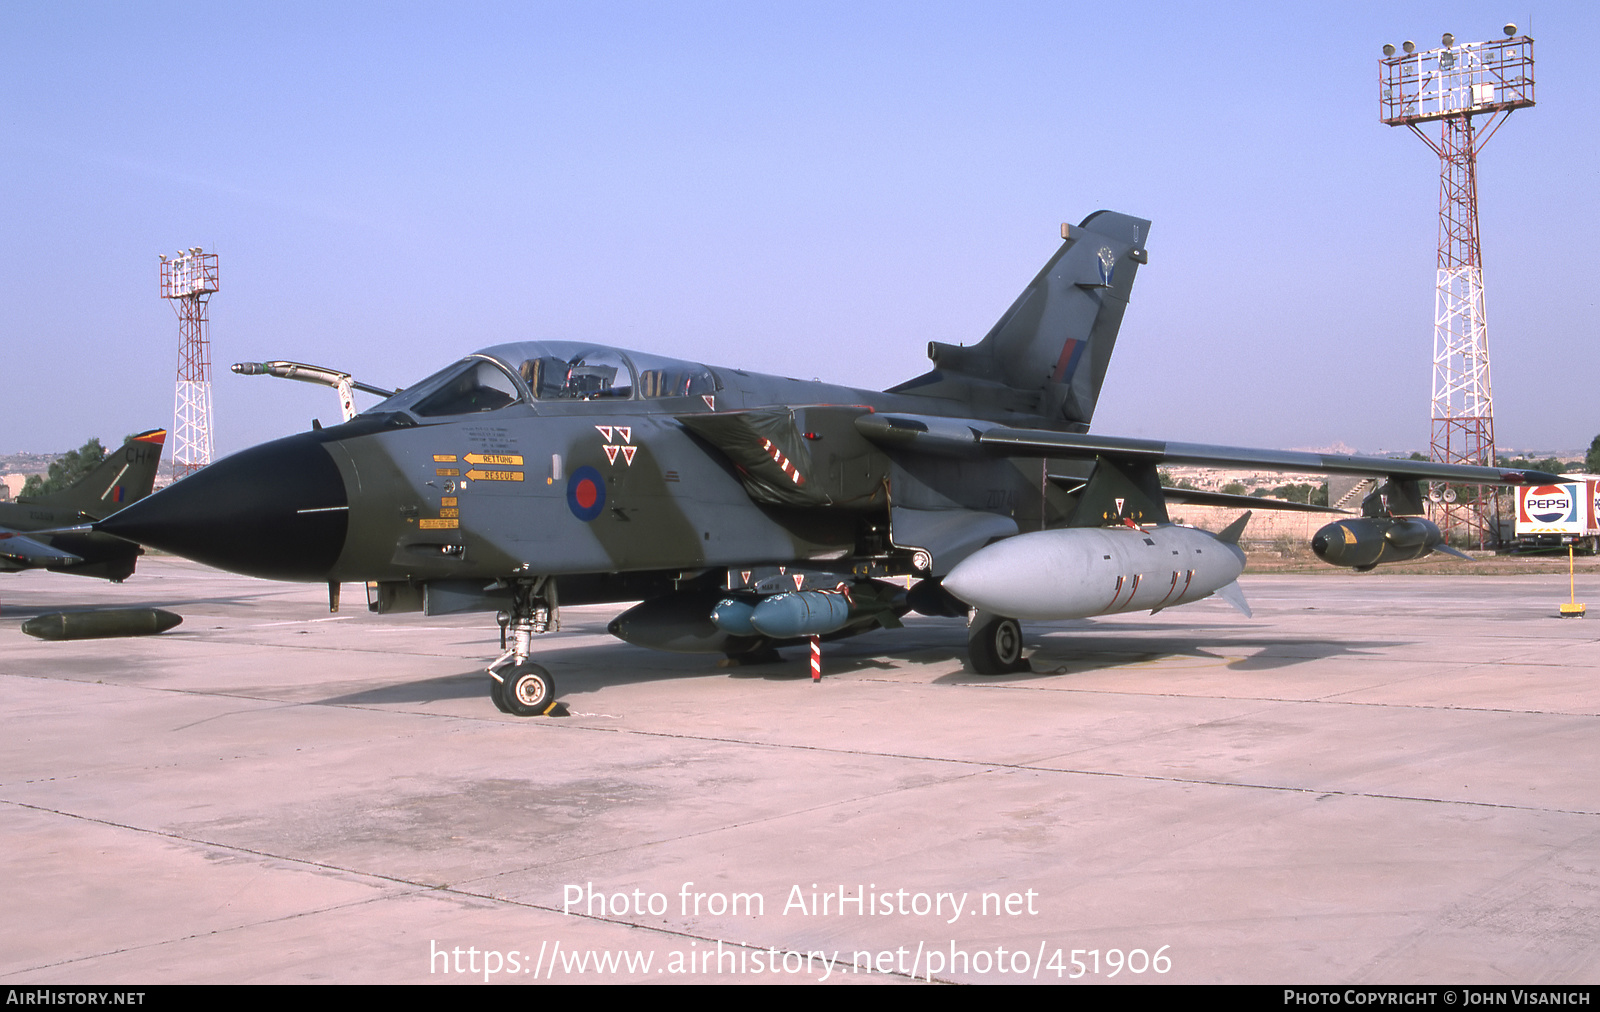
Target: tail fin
(124, 477)
(1048, 354)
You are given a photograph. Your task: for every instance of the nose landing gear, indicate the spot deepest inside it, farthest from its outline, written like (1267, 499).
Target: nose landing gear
(517, 685)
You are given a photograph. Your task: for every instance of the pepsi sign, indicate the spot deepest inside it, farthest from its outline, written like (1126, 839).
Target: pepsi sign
(1550, 504)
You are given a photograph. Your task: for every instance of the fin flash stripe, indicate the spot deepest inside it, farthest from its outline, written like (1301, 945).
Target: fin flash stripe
(1068, 363)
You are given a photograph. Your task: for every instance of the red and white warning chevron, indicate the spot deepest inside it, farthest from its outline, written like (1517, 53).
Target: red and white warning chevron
(783, 462)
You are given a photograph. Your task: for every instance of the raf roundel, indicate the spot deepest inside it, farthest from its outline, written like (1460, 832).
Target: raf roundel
(586, 493)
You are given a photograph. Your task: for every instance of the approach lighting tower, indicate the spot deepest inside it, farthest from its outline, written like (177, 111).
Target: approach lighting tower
(189, 279)
(1452, 84)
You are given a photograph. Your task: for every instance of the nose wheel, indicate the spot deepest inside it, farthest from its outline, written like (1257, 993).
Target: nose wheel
(523, 690)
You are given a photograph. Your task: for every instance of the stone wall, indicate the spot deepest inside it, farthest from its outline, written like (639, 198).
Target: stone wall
(1265, 526)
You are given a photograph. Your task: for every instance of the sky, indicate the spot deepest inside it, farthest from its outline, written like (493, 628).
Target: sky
(808, 189)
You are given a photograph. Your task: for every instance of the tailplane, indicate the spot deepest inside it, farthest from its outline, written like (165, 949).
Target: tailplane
(1048, 354)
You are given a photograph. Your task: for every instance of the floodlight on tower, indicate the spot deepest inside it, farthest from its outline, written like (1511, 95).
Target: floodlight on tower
(188, 280)
(1452, 85)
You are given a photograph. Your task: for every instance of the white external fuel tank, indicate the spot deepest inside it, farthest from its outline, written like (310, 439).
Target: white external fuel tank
(1078, 572)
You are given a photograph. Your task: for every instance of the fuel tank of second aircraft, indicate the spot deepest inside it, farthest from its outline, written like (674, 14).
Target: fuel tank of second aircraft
(1078, 572)
(1363, 542)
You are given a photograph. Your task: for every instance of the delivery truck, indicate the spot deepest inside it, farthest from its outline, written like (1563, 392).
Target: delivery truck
(1550, 516)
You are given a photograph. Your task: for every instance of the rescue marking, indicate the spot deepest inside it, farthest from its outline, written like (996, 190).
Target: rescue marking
(478, 475)
(444, 458)
(437, 525)
(514, 460)
(447, 472)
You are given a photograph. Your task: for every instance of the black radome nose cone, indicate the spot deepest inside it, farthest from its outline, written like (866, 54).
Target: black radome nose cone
(278, 510)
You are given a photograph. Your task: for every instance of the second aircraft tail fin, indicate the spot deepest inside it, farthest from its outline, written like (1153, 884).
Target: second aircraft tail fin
(127, 475)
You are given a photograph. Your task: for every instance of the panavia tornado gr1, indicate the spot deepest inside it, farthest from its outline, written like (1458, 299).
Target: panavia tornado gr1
(750, 512)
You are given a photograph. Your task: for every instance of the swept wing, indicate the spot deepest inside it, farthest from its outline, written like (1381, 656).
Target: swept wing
(970, 437)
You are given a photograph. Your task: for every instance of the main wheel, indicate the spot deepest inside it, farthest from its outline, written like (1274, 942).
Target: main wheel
(994, 645)
(528, 690)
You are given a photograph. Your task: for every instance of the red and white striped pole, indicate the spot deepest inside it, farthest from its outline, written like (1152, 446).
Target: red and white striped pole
(816, 658)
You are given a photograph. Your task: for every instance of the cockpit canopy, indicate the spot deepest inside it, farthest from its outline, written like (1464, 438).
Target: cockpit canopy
(534, 371)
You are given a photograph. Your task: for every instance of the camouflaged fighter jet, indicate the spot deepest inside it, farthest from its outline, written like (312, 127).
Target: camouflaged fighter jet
(749, 512)
(51, 531)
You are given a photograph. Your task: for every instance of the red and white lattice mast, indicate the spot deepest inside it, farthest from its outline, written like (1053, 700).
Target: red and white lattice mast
(188, 280)
(1452, 84)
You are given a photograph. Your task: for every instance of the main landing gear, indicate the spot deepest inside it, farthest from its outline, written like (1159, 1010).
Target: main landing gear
(516, 684)
(994, 644)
